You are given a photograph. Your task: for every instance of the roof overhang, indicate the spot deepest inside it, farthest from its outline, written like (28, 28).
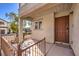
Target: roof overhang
(42, 9)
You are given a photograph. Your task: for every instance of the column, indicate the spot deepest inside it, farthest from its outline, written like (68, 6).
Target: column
(20, 30)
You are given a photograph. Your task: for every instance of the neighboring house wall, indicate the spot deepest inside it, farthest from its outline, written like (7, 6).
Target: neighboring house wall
(5, 29)
(4, 26)
(5, 23)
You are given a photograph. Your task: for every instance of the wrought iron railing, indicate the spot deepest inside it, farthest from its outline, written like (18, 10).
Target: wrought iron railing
(37, 49)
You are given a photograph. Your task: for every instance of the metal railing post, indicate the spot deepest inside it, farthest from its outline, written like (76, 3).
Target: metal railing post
(19, 51)
(45, 47)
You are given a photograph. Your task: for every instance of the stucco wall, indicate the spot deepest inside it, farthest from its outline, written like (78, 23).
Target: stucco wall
(48, 18)
(5, 23)
(48, 26)
(75, 30)
(47, 30)
(6, 30)
(4, 26)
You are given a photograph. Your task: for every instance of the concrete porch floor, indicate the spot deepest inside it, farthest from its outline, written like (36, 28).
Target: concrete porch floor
(56, 50)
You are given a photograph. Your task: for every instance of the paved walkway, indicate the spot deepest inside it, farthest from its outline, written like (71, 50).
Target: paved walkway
(56, 50)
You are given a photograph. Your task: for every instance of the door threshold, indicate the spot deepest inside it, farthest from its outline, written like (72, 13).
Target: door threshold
(61, 43)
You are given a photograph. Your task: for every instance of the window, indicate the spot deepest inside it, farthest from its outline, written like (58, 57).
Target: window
(1, 23)
(38, 24)
(27, 24)
(2, 31)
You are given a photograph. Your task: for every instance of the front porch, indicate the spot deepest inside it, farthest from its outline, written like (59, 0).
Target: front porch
(57, 50)
(43, 24)
(51, 49)
(33, 47)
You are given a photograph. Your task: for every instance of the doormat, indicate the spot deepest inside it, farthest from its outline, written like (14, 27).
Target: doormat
(63, 45)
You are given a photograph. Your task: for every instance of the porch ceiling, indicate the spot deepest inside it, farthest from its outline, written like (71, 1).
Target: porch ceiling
(37, 11)
(56, 7)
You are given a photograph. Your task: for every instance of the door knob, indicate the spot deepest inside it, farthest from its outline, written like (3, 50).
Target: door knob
(67, 28)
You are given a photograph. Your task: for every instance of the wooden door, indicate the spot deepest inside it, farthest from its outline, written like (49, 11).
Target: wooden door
(62, 29)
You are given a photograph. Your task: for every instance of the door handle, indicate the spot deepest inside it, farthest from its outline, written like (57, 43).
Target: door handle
(67, 28)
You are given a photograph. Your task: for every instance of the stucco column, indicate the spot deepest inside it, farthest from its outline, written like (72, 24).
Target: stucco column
(20, 30)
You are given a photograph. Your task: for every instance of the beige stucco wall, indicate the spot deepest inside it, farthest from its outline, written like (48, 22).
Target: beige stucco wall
(48, 25)
(47, 30)
(75, 29)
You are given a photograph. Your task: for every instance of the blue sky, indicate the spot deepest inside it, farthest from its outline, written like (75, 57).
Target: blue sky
(7, 8)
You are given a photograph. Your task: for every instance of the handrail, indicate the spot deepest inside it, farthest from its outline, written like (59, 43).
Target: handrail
(22, 50)
(6, 47)
(33, 45)
(34, 48)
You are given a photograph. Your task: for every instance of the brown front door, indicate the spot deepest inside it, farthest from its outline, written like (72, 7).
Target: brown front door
(62, 29)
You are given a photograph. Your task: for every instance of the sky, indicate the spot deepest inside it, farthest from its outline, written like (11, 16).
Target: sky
(7, 8)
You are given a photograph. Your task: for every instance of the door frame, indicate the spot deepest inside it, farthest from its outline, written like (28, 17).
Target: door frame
(55, 30)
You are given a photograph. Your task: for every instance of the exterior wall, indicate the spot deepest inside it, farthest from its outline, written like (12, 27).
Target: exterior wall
(47, 17)
(6, 30)
(5, 23)
(47, 30)
(75, 30)
(4, 26)
(48, 26)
